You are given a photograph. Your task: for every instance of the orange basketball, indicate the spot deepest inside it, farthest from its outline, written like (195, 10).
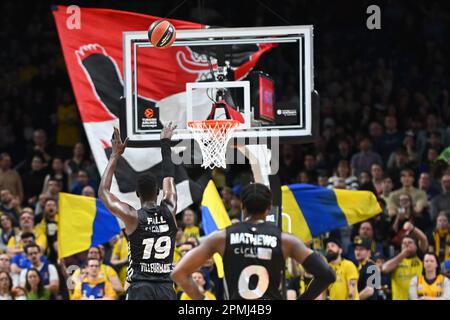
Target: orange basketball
(161, 34)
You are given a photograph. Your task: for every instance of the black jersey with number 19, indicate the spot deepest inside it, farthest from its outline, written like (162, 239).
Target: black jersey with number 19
(151, 246)
(253, 261)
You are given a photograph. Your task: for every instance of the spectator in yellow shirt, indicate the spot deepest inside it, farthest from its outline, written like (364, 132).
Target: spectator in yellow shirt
(26, 225)
(119, 257)
(49, 228)
(106, 272)
(345, 286)
(189, 227)
(182, 250)
(179, 242)
(199, 279)
(94, 286)
(440, 237)
(431, 284)
(406, 265)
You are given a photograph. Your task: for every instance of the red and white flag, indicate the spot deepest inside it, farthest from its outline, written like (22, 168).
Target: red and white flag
(93, 53)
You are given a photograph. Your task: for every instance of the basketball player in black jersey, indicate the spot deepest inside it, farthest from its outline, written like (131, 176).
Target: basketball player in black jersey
(254, 253)
(150, 230)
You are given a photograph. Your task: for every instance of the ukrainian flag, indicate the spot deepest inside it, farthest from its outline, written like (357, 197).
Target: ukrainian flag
(83, 222)
(309, 211)
(214, 217)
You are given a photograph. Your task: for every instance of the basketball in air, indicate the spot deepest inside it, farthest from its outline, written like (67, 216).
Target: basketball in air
(161, 34)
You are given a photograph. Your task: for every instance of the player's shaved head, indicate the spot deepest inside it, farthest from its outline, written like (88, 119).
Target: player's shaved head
(147, 187)
(256, 198)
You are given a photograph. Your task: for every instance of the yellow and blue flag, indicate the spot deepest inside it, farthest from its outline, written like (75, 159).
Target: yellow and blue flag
(309, 211)
(83, 222)
(214, 217)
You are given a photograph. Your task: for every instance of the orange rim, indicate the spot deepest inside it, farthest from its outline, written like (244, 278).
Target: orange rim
(211, 123)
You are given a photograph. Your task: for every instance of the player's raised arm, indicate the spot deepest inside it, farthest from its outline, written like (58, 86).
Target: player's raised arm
(194, 260)
(168, 169)
(120, 209)
(313, 263)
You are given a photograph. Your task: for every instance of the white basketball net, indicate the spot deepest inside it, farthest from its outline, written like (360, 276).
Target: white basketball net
(212, 137)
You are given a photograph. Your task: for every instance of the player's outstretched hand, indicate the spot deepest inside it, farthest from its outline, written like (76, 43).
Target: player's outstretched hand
(167, 131)
(118, 147)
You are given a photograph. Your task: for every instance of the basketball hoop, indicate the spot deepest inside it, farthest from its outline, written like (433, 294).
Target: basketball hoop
(213, 137)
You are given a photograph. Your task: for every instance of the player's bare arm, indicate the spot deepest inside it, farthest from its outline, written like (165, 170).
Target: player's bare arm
(313, 263)
(120, 209)
(193, 261)
(168, 168)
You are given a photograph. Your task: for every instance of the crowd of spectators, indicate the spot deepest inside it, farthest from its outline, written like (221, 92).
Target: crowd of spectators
(385, 119)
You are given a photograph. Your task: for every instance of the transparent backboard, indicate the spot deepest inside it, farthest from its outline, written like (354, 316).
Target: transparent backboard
(265, 74)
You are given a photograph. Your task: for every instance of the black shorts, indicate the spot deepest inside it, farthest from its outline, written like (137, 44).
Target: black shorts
(147, 290)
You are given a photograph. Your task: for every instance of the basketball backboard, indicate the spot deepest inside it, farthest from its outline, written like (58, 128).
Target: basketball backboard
(264, 73)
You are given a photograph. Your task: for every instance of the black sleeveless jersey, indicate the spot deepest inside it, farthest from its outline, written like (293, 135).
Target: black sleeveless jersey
(151, 246)
(253, 261)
